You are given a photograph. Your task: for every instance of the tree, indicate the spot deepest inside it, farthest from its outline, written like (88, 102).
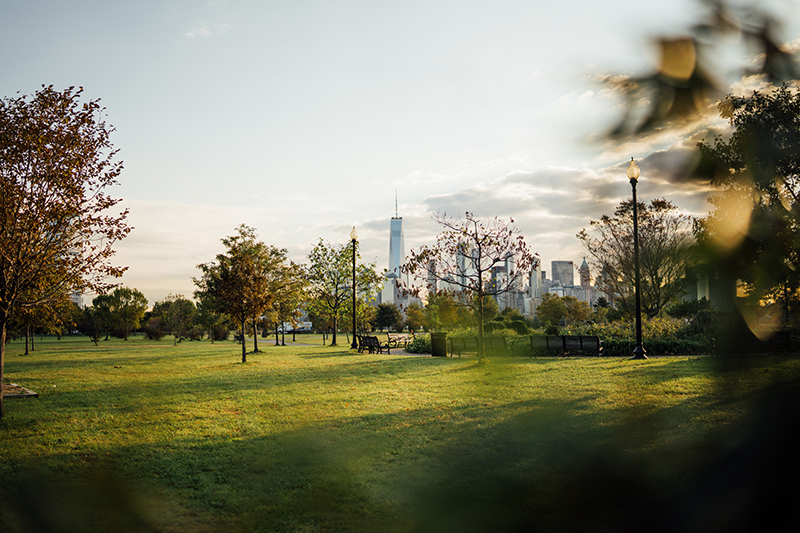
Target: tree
(288, 286)
(330, 274)
(448, 310)
(238, 281)
(52, 317)
(179, 315)
(666, 250)
(388, 316)
(128, 307)
(217, 324)
(57, 224)
(92, 324)
(415, 317)
(554, 308)
(479, 260)
(754, 230)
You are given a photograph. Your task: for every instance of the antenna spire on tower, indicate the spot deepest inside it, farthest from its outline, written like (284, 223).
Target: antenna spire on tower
(395, 203)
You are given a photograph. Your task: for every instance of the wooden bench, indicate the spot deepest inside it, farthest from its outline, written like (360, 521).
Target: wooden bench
(566, 345)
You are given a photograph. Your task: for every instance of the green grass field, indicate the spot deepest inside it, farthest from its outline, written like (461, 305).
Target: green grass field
(149, 436)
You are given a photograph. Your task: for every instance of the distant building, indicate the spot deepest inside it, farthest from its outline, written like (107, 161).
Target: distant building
(564, 272)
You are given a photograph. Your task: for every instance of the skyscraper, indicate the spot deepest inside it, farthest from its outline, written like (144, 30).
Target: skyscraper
(562, 271)
(397, 249)
(396, 246)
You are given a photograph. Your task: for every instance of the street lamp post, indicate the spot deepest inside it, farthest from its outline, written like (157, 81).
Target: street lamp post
(633, 175)
(354, 238)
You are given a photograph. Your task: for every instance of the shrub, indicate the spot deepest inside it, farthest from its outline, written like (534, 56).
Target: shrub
(551, 330)
(154, 330)
(220, 332)
(420, 344)
(519, 346)
(196, 333)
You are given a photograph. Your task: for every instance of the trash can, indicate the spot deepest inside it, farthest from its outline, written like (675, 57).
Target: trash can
(439, 344)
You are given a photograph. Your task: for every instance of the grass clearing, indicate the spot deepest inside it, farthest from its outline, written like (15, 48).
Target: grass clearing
(151, 436)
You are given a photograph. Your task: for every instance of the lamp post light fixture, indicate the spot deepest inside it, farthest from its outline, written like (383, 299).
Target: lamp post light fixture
(354, 238)
(633, 175)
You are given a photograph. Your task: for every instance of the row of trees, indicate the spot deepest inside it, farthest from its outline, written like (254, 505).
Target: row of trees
(251, 280)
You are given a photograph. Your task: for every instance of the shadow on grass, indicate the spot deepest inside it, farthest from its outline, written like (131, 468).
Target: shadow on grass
(539, 468)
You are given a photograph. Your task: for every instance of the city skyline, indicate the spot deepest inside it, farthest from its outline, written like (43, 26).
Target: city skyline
(303, 119)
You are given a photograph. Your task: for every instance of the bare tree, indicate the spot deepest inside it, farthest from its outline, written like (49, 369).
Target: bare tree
(475, 259)
(666, 250)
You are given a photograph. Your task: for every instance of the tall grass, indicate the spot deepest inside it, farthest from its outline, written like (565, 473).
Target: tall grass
(148, 436)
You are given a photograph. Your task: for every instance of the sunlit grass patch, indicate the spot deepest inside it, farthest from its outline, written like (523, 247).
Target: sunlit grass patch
(317, 437)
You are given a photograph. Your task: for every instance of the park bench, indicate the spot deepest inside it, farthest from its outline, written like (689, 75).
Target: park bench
(462, 345)
(566, 345)
(396, 340)
(371, 344)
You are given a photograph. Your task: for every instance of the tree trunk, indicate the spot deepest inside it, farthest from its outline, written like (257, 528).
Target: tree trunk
(255, 336)
(3, 321)
(335, 327)
(276, 335)
(27, 338)
(481, 344)
(244, 341)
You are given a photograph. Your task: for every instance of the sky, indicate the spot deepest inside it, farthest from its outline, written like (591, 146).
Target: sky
(304, 119)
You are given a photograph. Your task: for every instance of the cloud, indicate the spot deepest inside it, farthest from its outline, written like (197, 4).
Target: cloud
(203, 30)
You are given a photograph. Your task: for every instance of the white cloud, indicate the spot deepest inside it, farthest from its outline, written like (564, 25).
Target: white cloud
(205, 30)
(200, 31)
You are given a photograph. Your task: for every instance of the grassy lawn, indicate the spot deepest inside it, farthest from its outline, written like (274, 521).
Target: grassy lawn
(150, 436)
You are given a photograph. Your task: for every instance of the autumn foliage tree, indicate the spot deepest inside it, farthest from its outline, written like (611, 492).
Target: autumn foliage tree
(58, 225)
(479, 260)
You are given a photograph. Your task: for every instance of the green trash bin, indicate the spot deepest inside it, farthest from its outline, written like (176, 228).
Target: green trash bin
(439, 344)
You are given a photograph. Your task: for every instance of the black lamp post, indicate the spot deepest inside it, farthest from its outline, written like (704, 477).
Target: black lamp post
(354, 238)
(633, 175)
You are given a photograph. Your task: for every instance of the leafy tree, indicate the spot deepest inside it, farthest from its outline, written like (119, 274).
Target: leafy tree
(92, 324)
(415, 317)
(103, 307)
(237, 282)
(57, 223)
(554, 308)
(217, 324)
(179, 314)
(154, 328)
(52, 317)
(127, 308)
(448, 310)
(388, 316)
(289, 284)
(466, 254)
(754, 232)
(330, 274)
(666, 250)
